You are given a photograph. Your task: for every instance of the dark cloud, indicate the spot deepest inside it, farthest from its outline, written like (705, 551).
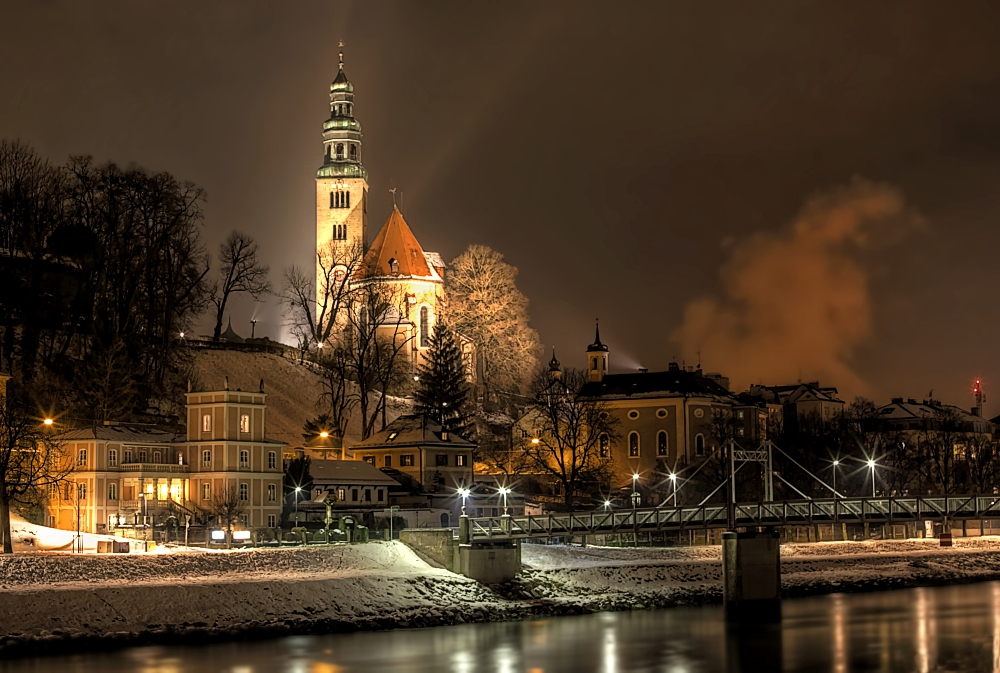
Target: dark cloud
(606, 150)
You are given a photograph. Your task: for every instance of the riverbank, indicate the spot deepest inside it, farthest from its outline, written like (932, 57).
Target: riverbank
(54, 603)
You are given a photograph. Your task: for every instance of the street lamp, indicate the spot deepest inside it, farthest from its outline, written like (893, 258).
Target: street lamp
(48, 421)
(635, 493)
(871, 466)
(673, 480)
(464, 492)
(503, 492)
(607, 504)
(835, 464)
(298, 489)
(253, 327)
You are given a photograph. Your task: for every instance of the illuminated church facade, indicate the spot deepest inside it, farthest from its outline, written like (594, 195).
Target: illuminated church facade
(395, 258)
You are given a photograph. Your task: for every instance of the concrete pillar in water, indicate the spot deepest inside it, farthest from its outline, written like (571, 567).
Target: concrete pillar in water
(751, 576)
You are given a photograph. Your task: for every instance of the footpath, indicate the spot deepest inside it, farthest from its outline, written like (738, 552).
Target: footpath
(56, 603)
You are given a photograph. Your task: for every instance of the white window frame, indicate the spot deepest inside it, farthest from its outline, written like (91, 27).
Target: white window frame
(206, 491)
(206, 458)
(272, 493)
(244, 492)
(244, 458)
(206, 423)
(112, 457)
(272, 460)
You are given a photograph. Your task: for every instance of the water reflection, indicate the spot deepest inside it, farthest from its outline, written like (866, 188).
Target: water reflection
(924, 630)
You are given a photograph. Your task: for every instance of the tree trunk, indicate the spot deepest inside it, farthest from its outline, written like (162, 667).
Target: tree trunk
(8, 543)
(219, 315)
(229, 535)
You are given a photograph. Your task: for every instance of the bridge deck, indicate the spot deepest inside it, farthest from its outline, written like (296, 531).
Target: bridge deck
(780, 513)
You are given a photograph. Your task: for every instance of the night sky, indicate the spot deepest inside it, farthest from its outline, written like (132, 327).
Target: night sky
(646, 164)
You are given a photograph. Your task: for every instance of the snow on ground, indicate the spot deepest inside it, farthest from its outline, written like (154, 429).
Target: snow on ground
(28, 536)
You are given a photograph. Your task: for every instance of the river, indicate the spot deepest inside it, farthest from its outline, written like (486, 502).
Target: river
(922, 630)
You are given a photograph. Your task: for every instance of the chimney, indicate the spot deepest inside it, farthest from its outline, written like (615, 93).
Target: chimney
(975, 411)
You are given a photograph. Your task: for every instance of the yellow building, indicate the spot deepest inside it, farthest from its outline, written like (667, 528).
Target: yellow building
(126, 472)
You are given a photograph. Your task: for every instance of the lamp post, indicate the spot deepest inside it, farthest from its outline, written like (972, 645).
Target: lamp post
(871, 466)
(635, 493)
(78, 547)
(142, 510)
(253, 327)
(835, 464)
(607, 504)
(673, 481)
(298, 489)
(464, 492)
(503, 493)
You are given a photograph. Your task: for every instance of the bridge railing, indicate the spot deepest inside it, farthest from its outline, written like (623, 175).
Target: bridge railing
(787, 512)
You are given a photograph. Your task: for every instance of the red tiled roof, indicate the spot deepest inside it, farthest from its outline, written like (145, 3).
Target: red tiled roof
(396, 242)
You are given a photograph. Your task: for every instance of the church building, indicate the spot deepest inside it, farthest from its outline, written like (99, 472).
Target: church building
(395, 258)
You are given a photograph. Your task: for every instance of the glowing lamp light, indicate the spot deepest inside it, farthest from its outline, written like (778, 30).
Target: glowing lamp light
(635, 477)
(607, 503)
(182, 335)
(319, 345)
(241, 535)
(219, 535)
(464, 492)
(504, 490)
(673, 477)
(836, 463)
(534, 440)
(324, 434)
(48, 421)
(298, 489)
(871, 464)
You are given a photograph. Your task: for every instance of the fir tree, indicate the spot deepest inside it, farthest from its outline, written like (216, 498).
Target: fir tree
(443, 393)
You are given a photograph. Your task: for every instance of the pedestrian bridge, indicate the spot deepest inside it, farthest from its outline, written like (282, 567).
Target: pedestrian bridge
(747, 515)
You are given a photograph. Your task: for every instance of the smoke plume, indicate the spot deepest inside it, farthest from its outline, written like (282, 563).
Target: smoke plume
(794, 304)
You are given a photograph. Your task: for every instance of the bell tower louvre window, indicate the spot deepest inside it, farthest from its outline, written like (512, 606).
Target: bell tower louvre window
(340, 199)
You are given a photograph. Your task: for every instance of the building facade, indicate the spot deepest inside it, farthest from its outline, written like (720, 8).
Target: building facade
(125, 476)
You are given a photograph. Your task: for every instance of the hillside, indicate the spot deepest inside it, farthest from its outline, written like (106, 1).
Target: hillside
(292, 389)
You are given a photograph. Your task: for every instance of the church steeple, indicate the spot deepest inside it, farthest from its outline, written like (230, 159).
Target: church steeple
(341, 132)
(597, 357)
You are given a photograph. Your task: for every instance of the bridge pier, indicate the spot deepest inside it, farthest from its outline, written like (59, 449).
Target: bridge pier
(751, 576)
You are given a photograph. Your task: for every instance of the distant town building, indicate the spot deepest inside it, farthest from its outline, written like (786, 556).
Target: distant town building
(800, 400)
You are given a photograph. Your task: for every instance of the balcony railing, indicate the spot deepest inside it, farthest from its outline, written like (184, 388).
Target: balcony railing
(155, 467)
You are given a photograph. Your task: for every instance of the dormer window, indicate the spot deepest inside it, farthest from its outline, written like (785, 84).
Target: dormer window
(393, 266)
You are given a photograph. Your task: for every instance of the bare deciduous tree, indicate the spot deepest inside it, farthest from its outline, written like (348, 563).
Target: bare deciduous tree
(31, 458)
(241, 271)
(567, 431)
(485, 305)
(227, 506)
(314, 302)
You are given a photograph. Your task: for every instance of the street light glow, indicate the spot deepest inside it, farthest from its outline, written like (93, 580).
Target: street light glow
(324, 434)
(504, 490)
(48, 421)
(464, 492)
(836, 463)
(673, 477)
(534, 440)
(635, 477)
(607, 503)
(298, 489)
(871, 464)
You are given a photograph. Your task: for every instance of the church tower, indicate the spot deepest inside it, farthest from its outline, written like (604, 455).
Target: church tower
(597, 357)
(341, 182)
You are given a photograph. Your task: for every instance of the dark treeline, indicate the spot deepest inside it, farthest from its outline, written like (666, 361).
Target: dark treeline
(100, 268)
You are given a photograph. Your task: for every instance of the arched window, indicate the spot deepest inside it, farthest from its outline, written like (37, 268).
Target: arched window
(661, 443)
(332, 198)
(633, 444)
(354, 152)
(157, 457)
(349, 109)
(699, 445)
(340, 151)
(327, 152)
(347, 199)
(604, 446)
(425, 323)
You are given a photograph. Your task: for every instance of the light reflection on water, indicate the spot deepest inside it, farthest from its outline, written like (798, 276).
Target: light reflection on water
(921, 630)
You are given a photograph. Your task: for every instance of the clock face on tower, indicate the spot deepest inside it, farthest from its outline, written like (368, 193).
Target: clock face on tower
(339, 275)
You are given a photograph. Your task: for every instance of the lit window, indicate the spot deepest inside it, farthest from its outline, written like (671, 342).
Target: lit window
(425, 329)
(393, 266)
(112, 457)
(244, 492)
(206, 423)
(406, 460)
(739, 432)
(341, 494)
(461, 459)
(206, 491)
(82, 490)
(392, 436)
(244, 458)
(604, 445)
(633, 444)
(272, 492)
(206, 458)
(244, 423)
(370, 460)
(81, 457)
(739, 414)
(661, 443)
(272, 460)
(112, 491)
